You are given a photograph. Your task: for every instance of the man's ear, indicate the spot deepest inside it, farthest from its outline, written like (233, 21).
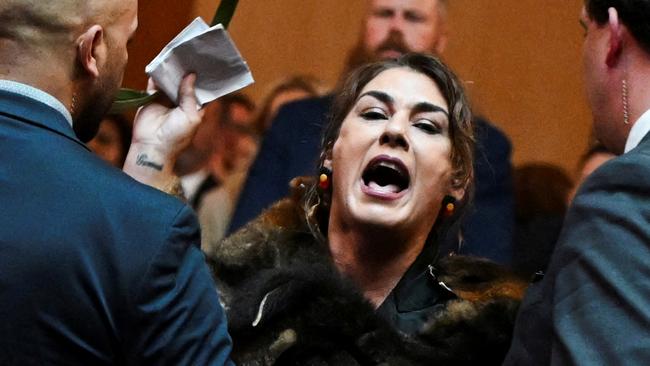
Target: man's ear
(91, 50)
(615, 46)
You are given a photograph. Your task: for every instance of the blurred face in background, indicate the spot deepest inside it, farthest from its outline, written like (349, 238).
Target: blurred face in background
(108, 143)
(395, 27)
(238, 140)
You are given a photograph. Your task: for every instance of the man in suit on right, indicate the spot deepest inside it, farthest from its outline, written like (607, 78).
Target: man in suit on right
(291, 146)
(593, 305)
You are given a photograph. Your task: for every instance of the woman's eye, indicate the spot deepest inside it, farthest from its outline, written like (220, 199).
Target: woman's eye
(427, 126)
(373, 115)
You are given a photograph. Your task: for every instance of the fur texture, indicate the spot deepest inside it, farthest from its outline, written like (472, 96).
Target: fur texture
(287, 304)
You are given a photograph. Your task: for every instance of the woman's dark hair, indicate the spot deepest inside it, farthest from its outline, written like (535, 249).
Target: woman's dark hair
(460, 127)
(635, 14)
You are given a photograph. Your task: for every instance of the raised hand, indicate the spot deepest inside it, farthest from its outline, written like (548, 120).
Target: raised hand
(160, 132)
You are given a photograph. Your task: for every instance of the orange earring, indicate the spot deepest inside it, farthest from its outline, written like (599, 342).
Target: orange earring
(449, 206)
(324, 178)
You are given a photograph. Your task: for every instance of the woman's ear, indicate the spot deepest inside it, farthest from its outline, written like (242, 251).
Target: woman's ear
(327, 159)
(91, 50)
(327, 163)
(457, 189)
(457, 193)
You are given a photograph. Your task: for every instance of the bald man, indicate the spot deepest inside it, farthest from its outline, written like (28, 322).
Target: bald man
(292, 144)
(95, 268)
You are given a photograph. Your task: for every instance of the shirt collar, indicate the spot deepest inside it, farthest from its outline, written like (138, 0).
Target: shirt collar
(36, 94)
(639, 130)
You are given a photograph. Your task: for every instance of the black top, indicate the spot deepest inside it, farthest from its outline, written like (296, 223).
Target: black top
(417, 296)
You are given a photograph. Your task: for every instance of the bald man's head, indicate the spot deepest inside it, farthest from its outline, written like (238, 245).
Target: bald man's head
(75, 50)
(35, 23)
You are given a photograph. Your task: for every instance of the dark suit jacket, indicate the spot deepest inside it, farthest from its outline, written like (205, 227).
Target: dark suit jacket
(593, 305)
(95, 268)
(292, 146)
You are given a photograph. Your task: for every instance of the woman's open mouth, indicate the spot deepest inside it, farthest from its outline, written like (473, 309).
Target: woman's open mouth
(385, 177)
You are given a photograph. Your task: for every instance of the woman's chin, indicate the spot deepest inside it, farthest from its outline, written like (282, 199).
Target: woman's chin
(378, 215)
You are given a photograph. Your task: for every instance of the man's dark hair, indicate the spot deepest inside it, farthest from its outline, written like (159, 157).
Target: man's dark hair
(635, 14)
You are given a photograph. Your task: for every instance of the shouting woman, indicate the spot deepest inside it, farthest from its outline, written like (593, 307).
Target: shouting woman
(346, 271)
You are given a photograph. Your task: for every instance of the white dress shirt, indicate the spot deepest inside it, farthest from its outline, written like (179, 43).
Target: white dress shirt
(639, 130)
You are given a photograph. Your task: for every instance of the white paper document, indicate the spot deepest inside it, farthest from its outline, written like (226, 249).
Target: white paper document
(207, 51)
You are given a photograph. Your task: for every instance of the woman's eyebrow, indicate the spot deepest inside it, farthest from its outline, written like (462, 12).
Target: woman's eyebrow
(388, 100)
(379, 95)
(428, 107)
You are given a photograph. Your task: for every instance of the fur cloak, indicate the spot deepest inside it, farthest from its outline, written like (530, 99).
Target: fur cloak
(287, 304)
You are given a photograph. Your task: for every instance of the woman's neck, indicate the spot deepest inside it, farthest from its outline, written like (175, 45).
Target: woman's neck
(375, 260)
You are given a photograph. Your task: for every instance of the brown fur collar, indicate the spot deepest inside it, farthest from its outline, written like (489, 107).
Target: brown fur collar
(287, 304)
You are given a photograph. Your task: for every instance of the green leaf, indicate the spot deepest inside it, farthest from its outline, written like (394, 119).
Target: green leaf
(225, 12)
(127, 99)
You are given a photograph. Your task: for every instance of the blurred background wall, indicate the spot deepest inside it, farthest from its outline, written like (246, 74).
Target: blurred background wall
(521, 59)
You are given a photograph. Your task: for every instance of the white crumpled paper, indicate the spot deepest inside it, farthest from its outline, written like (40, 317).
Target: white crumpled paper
(207, 51)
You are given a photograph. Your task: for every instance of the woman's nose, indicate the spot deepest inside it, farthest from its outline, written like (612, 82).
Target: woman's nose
(394, 134)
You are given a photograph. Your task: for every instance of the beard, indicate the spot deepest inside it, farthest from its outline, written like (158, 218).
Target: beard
(360, 55)
(96, 103)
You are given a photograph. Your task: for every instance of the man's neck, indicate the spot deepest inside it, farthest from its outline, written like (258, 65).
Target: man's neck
(47, 78)
(636, 101)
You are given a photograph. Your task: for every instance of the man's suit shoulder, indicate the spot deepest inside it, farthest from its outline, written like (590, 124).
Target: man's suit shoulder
(490, 138)
(148, 215)
(125, 195)
(102, 202)
(307, 106)
(309, 112)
